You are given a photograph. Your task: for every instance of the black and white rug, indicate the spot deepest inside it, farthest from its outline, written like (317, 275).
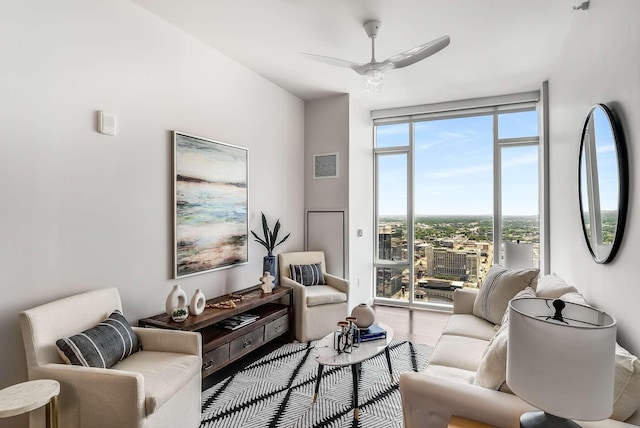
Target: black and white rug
(277, 391)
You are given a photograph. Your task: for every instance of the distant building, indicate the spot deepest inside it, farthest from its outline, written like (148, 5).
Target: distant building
(384, 242)
(463, 265)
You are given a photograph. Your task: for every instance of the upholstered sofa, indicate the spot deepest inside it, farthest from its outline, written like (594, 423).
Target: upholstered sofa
(452, 384)
(157, 387)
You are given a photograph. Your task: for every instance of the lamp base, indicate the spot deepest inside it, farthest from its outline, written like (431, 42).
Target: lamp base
(545, 420)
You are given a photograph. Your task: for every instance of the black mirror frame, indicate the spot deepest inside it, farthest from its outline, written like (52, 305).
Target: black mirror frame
(623, 182)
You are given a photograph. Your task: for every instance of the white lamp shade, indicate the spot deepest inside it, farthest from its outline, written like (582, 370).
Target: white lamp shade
(564, 370)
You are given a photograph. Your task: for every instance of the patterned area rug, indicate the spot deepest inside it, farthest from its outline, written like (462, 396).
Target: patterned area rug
(277, 391)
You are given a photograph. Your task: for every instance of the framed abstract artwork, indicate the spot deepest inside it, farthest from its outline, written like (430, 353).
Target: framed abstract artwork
(210, 205)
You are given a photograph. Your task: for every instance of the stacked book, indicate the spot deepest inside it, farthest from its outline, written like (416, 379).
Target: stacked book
(374, 332)
(237, 321)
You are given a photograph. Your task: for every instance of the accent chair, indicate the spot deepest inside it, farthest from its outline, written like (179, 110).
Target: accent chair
(316, 308)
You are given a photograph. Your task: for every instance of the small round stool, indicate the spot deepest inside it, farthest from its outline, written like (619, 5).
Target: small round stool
(27, 396)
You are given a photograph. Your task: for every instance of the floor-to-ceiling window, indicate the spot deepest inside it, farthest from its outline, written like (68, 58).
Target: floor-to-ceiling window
(456, 191)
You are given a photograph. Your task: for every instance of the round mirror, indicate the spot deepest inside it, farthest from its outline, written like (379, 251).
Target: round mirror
(603, 183)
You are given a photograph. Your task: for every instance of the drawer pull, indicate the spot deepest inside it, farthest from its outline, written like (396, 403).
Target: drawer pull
(207, 365)
(247, 344)
(278, 328)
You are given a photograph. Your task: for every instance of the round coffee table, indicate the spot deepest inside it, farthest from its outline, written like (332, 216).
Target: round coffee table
(326, 355)
(27, 396)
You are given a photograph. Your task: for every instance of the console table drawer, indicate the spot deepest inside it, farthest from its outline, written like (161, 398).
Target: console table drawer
(246, 343)
(215, 359)
(276, 327)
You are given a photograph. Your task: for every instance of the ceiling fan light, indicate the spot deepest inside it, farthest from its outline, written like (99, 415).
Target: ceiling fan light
(374, 82)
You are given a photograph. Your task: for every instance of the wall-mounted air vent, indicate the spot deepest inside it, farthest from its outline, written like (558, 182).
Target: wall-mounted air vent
(325, 165)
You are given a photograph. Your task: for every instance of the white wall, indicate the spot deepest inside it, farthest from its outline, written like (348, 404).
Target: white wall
(327, 131)
(360, 203)
(81, 210)
(341, 124)
(598, 64)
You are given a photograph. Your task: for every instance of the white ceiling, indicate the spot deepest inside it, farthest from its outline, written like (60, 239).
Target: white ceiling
(497, 46)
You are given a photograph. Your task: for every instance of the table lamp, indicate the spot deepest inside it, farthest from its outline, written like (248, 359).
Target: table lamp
(560, 359)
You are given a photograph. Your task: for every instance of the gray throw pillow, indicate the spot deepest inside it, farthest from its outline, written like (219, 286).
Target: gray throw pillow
(307, 274)
(500, 286)
(101, 346)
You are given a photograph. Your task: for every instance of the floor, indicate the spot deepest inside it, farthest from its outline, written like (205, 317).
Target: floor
(417, 326)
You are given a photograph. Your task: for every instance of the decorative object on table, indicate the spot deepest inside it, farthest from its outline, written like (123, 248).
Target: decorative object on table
(560, 359)
(177, 298)
(267, 282)
(180, 314)
(198, 303)
(374, 332)
(270, 241)
(229, 303)
(354, 331)
(343, 338)
(210, 205)
(603, 188)
(237, 321)
(364, 314)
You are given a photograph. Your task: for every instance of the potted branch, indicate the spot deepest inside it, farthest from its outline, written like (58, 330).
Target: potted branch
(270, 242)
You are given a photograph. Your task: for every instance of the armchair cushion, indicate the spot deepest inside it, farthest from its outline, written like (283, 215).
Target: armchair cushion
(324, 295)
(307, 274)
(102, 346)
(500, 286)
(155, 367)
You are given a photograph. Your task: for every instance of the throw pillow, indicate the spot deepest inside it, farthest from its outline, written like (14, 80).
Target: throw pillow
(492, 371)
(626, 386)
(552, 287)
(526, 293)
(101, 346)
(500, 286)
(307, 274)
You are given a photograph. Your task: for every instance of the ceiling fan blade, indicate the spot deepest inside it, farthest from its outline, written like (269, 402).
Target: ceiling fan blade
(332, 61)
(419, 52)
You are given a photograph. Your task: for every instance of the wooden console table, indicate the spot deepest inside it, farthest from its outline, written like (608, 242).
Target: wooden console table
(221, 346)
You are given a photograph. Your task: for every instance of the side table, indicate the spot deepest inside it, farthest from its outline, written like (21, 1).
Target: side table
(27, 396)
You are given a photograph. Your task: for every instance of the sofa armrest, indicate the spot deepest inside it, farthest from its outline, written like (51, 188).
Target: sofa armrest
(337, 283)
(161, 340)
(430, 401)
(463, 300)
(86, 391)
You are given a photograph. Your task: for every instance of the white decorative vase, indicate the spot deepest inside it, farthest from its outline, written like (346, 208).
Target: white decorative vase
(364, 314)
(198, 303)
(176, 299)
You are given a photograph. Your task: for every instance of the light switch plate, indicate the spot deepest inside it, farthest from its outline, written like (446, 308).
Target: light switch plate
(107, 123)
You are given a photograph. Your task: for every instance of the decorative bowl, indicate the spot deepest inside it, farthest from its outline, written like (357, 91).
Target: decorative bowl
(180, 314)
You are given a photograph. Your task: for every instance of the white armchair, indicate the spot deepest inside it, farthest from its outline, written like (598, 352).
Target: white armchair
(317, 308)
(158, 386)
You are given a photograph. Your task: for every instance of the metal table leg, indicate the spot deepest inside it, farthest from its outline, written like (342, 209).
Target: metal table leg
(355, 371)
(315, 395)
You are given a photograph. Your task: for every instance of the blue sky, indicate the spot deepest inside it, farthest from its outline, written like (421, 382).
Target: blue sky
(454, 167)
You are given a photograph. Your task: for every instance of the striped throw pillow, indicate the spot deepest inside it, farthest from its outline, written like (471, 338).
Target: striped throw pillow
(500, 286)
(307, 274)
(101, 346)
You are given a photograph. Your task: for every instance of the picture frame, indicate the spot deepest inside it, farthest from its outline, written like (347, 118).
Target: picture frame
(211, 205)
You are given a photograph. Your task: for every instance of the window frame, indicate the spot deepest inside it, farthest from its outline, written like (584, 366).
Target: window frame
(494, 106)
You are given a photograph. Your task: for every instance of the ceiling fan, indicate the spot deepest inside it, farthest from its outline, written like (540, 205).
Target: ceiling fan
(374, 70)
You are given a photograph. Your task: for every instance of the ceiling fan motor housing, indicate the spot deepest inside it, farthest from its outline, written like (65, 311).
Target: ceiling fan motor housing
(372, 28)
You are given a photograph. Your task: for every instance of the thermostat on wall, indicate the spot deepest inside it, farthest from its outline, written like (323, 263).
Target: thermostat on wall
(107, 123)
